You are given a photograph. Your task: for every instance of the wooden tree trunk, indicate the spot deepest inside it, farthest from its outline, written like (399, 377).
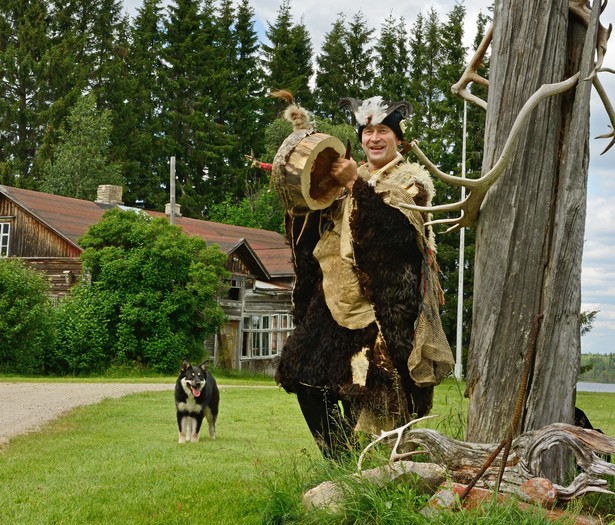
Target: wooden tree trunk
(530, 232)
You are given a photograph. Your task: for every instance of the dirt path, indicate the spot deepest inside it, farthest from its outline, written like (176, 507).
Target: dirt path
(25, 407)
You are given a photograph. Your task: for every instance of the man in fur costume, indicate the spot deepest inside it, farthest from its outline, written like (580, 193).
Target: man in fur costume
(368, 346)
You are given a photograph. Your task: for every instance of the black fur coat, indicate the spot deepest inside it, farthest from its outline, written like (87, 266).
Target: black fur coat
(390, 268)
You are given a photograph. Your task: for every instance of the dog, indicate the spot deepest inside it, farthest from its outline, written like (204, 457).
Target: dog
(196, 397)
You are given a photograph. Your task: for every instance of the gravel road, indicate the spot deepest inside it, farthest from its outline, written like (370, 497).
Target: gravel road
(25, 407)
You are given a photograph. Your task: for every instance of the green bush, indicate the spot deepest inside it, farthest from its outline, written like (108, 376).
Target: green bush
(26, 318)
(84, 332)
(152, 300)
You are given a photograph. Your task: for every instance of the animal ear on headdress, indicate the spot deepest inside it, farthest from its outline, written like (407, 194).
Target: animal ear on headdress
(349, 102)
(402, 106)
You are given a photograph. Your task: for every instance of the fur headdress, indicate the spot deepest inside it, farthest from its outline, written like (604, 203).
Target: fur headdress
(299, 117)
(376, 110)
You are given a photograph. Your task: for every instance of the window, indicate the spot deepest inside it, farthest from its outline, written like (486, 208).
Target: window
(235, 290)
(265, 335)
(5, 233)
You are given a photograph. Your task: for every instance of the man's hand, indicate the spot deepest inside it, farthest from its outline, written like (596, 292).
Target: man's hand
(344, 171)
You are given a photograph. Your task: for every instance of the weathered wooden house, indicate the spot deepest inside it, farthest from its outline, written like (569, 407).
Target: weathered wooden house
(44, 231)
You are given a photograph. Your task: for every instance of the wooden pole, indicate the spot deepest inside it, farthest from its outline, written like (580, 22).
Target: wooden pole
(172, 190)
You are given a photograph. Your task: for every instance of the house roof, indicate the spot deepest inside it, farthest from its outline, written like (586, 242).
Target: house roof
(70, 218)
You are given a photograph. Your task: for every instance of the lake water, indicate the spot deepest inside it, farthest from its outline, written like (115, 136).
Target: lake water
(583, 386)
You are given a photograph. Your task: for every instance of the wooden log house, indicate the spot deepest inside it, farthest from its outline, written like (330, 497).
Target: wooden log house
(43, 230)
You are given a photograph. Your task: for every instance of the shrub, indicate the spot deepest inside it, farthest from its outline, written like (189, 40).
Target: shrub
(26, 318)
(84, 332)
(152, 299)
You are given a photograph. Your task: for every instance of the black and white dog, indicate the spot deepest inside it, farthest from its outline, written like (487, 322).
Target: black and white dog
(196, 396)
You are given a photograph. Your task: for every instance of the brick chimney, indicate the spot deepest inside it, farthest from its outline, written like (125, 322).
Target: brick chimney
(109, 194)
(167, 209)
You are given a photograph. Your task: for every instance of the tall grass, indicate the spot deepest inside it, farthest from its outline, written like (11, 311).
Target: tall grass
(119, 462)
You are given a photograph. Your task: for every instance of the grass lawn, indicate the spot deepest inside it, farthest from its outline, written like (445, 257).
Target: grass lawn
(118, 462)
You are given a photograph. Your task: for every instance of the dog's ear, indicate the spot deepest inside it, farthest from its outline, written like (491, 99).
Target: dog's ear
(185, 365)
(204, 366)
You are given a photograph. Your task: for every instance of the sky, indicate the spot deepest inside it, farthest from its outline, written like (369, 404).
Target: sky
(598, 273)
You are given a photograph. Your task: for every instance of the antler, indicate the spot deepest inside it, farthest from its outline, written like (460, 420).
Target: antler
(470, 206)
(471, 73)
(580, 9)
(399, 432)
(609, 109)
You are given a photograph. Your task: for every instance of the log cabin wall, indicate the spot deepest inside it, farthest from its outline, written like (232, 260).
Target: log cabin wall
(29, 237)
(63, 273)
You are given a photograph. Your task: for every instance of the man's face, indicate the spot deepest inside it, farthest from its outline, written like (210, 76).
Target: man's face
(380, 145)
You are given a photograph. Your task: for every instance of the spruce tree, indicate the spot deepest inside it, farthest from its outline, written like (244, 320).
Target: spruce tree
(248, 88)
(360, 68)
(23, 101)
(89, 47)
(189, 131)
(301, 48)
(449, 113)
(145, 170)
(418, 54)
(110, 77)
(67, 70)
(392, 60)
(221, 155)
(331, 76)
(246, 102)
(438, 60)
(287, 59)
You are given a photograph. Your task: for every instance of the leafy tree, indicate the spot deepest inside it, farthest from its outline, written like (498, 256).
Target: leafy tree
(597, 368)
(152, 298)
(26, 323)
(23, 44)
(260, 208)
(81, 160)
(86, 333)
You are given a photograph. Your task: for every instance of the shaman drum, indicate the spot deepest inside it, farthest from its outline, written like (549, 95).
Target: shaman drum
(300, 172)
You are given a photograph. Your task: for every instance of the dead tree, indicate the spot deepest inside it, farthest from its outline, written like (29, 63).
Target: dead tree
(529, 240)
